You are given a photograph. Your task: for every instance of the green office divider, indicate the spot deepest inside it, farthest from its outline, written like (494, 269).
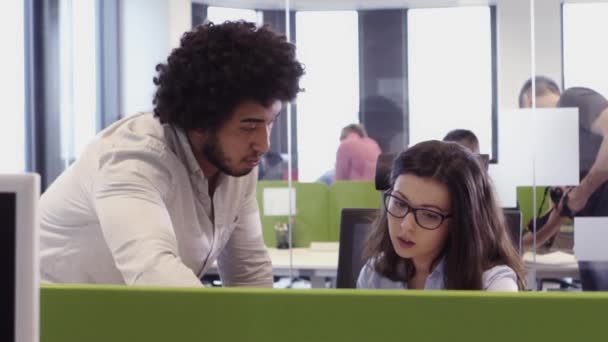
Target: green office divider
(131, 314)
(311, 213)
(525, 202)
(350, 194)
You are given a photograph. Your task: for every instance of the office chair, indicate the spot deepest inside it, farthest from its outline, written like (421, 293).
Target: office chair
(594, 275)
(355, 227)
(383, 171)
(513, 221)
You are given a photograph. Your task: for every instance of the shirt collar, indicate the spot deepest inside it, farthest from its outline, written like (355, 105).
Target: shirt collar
(438, 271)
(190, 161)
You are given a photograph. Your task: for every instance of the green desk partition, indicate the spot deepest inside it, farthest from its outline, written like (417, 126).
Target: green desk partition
(525, 201)
(311, 213)
(350, 194)
(130, 314)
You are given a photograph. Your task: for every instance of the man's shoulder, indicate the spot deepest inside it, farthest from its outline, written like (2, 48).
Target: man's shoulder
(141, 131)
(373, 143)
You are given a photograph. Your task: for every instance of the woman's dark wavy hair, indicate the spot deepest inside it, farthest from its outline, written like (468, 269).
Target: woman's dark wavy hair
(477, 236)
(216, 67)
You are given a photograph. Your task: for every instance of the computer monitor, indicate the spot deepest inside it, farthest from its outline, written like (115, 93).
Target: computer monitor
(355, 227)
(513, 221)
(19, 256)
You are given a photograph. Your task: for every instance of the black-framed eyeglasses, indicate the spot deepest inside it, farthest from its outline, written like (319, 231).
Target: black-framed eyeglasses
(425, 218)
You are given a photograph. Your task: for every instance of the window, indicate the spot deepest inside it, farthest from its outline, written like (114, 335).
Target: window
(78, 76)
(585, 53)
(328, 46)
(12, 89)
(450, 73)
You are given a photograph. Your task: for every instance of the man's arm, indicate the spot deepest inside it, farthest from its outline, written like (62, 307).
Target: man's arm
(598, 174)
(128, 199)
(549, 229)
(544, 233)
(244, 261)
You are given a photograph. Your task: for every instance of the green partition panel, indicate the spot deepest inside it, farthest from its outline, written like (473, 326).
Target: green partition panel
(129, 314)
(350, 194)
(310, 222)
(525, 201)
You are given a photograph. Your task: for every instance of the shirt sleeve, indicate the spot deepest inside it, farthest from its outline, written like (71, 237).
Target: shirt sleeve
(500, 278)
(589, 103)
(129, 195)
(244, 261)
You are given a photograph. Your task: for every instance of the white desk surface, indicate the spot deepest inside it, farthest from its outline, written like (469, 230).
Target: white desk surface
(305, 262)
(321, 260)
(556, 264)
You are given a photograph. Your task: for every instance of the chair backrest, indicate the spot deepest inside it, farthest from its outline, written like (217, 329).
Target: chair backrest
(349, 194)
(354, 230)
(594, 275)
(513, 220)
(383, 171)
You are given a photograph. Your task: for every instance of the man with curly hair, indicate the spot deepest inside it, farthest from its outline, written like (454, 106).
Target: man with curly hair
(158, 197)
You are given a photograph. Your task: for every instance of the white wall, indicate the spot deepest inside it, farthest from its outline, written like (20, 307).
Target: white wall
(12, 96)
(514, 50)
(149, 29)
(548, 22)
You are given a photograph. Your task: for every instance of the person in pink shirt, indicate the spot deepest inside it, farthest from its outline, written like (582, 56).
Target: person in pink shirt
(357, 154)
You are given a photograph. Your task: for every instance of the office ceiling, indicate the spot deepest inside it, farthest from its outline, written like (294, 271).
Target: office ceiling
(325, 5)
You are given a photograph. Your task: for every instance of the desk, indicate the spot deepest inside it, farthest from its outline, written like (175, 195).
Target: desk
(555, 264)
(318, 262)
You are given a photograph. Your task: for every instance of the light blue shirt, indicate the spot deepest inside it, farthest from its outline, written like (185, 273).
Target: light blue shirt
(497, 278)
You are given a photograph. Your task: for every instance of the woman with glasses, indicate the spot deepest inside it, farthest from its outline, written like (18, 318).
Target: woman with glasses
(441, 227)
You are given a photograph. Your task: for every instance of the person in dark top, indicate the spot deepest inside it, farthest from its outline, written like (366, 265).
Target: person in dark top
(590, 197)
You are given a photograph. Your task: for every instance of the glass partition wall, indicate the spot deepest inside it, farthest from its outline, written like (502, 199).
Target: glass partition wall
(406, 72)
(393, 74)
(569, 107)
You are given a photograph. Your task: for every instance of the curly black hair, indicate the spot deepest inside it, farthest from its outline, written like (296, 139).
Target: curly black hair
(216, 67)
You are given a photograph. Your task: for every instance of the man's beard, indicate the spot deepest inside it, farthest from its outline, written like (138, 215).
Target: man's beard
(212, 150)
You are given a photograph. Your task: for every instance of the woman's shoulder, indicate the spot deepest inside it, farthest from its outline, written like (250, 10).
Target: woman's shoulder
(500, 278)
(369, 278)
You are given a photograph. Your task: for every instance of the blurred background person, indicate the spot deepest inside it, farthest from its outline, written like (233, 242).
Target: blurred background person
(357, 154)
(464, 137)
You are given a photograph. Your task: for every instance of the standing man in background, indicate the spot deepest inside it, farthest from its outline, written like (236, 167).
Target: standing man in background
(590, 197)
(157, 198)
(357, 154)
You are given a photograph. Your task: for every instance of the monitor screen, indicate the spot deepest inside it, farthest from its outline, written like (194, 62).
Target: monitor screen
(355, 227)
(513, 222)
(18, 253)
(7, 255)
